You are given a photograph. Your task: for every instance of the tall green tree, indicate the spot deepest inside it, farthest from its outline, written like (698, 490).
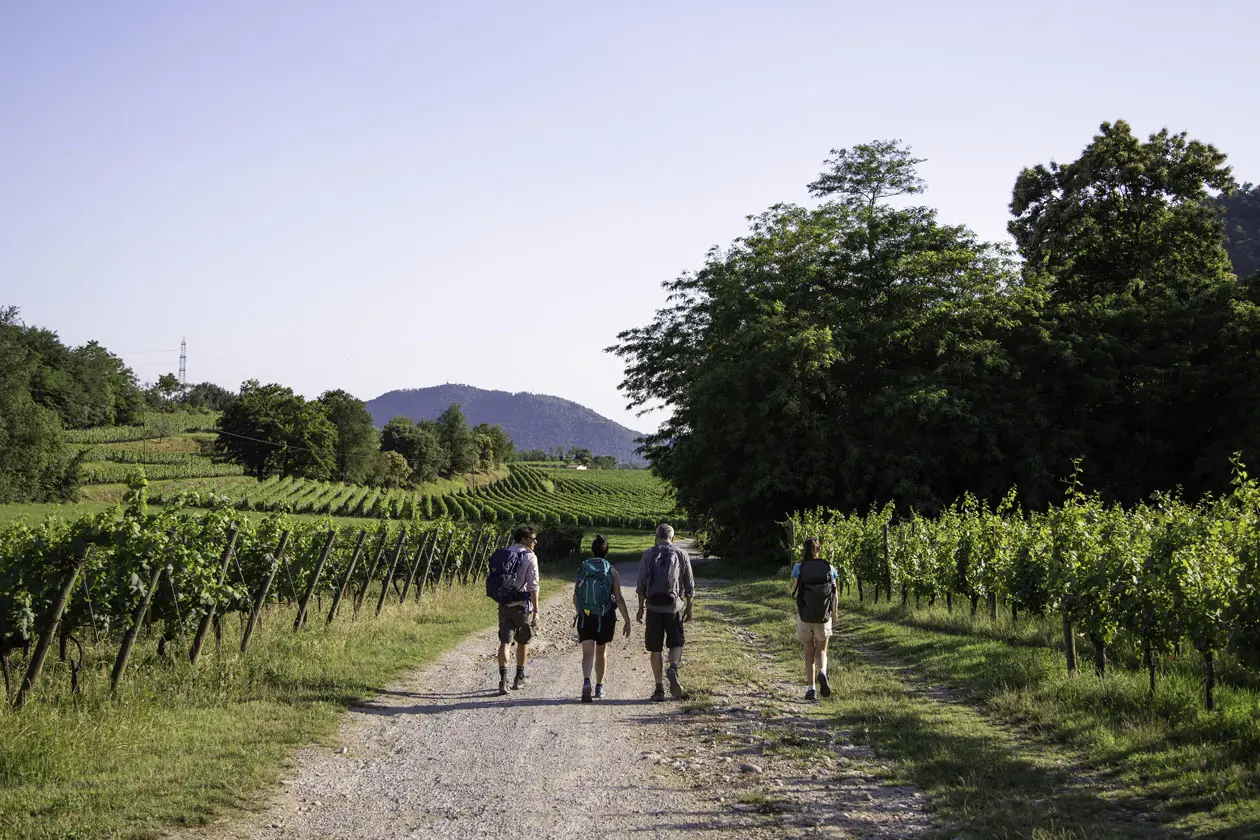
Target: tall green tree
(457, 439)
(1141, 290)
(849, 354)
(1241, 210)
(357, 438)
(34, 464)
(269, 429)
(418, 445)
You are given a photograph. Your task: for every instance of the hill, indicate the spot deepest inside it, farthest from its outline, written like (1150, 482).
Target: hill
(533, 421)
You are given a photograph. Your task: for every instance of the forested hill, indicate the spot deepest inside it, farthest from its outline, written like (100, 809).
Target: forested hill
(533, 421)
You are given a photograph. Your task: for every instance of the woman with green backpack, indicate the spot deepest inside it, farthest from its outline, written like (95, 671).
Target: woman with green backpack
(596, 599)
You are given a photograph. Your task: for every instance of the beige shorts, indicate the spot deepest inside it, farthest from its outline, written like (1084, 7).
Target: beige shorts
(807, 630)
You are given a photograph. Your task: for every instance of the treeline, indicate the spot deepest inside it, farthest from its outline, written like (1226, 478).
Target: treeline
(862, 352)
(571, 455)
(270, 430)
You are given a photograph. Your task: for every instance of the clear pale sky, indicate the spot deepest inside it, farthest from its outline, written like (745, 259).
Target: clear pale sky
(376, 195)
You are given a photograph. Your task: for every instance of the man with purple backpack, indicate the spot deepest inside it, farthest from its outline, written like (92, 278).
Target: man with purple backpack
(666, 588)
(513, 582)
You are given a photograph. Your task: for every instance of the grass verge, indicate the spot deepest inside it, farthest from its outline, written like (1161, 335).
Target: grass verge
(1014, 748)
(182, 745)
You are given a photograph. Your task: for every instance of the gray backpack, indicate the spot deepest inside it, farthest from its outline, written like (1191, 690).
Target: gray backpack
(662, 581)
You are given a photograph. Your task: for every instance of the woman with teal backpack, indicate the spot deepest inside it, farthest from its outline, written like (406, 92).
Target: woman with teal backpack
(596, 599)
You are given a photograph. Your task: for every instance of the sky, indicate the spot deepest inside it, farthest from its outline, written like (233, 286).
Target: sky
(381, 195)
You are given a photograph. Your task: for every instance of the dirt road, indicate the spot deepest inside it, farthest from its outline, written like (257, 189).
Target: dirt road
(441, 755)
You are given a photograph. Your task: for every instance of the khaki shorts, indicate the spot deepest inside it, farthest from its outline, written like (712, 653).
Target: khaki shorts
(806, 630)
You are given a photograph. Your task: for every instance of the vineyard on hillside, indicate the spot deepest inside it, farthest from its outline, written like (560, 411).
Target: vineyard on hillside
(171, 576)
(1150, 579)
(167, 446)
(590, 498)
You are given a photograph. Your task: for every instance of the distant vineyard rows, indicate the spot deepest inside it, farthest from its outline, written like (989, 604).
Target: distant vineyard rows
(596, 498)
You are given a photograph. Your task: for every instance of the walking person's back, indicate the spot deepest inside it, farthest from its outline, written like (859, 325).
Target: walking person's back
(665, 588)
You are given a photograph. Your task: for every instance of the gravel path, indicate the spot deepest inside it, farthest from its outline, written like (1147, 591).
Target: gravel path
(442, 755)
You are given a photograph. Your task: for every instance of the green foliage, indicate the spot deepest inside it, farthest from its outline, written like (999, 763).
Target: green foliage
(356, 445)
(270, 429)
(858, 354)
(418, 444)
(458, 441)
(1157, 574)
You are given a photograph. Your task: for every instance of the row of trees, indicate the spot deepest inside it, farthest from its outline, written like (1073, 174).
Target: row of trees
(271, 430)
(571, 455)
(861, 351)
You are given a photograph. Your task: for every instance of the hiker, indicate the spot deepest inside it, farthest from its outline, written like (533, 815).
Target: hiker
(596, 599)
(816, 609)
(665, 588)
(513, 582)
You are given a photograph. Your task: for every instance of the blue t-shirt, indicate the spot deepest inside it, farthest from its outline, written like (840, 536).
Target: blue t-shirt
(796, 572)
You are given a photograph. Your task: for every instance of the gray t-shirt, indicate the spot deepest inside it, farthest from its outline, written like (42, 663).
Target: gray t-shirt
(686, 581)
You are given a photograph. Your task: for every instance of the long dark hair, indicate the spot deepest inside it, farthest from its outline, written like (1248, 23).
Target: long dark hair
(808, 552)
(599, 546)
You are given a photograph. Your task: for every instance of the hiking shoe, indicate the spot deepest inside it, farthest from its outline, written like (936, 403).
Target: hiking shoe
(675, 687)
(586, 694)
(503, 686)
(518, 681)
(811, 695)
(659, 694)
(599, 691)
(824, 687)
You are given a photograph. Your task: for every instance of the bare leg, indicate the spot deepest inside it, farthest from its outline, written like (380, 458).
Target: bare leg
(675, 656)
(601, 662)
(657, 668)
(821, 656)
(809, 662)
(503, 654)
(521, 653)
(588, 657)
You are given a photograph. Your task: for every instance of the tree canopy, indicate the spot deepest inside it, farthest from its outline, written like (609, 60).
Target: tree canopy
(858, 353)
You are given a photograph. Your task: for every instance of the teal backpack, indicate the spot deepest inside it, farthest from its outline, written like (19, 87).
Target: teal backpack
(594, 587)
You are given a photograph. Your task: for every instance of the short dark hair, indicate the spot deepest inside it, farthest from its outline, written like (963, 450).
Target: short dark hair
(524, 532)
(599, 546)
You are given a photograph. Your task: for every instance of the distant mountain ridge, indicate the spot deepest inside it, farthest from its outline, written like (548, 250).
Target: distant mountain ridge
(533, 421)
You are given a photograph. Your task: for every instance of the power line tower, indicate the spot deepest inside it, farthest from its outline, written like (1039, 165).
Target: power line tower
(183, 362)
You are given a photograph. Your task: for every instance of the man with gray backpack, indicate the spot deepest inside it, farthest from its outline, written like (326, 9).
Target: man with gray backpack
(596, 599)
(665, 588)
(512, 581)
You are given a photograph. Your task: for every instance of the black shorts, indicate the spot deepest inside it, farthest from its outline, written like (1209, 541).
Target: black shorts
(598, 629)
(514, 623)
(666, 628)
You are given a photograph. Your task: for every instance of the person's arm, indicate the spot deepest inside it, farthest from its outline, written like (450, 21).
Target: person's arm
(640, 588)
(688, 584)
(835, 597)
(621, 602)
(531, 586)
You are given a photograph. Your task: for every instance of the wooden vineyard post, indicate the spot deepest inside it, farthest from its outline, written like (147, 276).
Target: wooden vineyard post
(393, 564)
(349, 575)
(1069, 644)
(300, 619)
(52, 623)
(1209, 684)
(264, 592)
(371, 572)
(474, 560)
(415, 564)
(207, 619)
(428, 566)
(137, 620)
(446, 556)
